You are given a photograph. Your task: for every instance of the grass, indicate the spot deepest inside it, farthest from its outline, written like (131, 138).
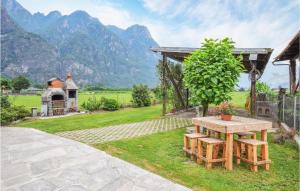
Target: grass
(29, 101)
(123, 97)
(239, 98)
(87, 121)
(162, 154)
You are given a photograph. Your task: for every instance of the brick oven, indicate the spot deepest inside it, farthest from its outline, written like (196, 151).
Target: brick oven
(60, 97)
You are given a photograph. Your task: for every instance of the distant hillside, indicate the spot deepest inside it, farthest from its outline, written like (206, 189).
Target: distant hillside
(26, 53)
(93, 52)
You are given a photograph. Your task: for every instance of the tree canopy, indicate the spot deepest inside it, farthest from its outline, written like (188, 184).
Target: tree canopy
(20, 83)
(212, 72)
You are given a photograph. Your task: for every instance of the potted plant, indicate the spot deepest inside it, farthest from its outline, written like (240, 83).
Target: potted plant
(226, 111)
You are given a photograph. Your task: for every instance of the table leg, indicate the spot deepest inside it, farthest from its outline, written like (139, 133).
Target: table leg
(229, 149)
(264, 149)
(197, 128)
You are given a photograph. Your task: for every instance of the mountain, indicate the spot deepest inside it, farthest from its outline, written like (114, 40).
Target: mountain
(95, 53)
(24, 53)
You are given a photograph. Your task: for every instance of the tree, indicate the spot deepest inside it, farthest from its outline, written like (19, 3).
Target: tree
(212, 72)
(20, 83)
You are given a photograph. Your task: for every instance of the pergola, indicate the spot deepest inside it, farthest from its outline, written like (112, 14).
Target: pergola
(254, 61)
(291, 53)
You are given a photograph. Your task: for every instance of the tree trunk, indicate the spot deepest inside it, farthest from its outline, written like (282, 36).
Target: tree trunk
(205, 109)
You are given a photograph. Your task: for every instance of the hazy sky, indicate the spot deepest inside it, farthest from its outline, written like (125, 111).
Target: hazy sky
(250, 23)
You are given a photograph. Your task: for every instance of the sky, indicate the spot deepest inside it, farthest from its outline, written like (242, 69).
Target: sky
(250, 23)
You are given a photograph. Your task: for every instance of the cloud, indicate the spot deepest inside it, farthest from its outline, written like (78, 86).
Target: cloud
(110, 15)
(162, 7)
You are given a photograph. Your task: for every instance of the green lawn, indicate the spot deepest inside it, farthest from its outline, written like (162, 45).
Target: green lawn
(123, 97)
(87, 121)
(239, 99)
(162, 154)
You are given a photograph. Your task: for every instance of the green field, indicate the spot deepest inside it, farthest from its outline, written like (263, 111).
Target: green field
(123, 97)
(87, 121)
(162, 154)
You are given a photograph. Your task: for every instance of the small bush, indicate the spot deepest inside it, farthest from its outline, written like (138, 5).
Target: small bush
(110, 104)
(92, 104)
(141, 96)
(13, 113)
(4, 102)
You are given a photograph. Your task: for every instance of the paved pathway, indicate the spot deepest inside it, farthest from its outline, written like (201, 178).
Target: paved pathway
(116, 132)
(32, 160)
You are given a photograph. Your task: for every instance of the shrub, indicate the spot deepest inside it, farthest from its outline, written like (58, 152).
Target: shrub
(262, 87)
(13, 113)
(110, 104)
(92, 104)
(4, 102)
(141, 96)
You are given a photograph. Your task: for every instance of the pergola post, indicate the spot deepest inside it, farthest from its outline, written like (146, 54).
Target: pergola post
(253, 91)
(292, 70)
(164, 85)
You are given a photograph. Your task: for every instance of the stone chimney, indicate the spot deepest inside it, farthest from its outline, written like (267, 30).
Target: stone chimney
(69, 76)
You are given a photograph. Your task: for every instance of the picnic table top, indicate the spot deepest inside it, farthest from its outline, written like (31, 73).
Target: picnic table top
(237, 124)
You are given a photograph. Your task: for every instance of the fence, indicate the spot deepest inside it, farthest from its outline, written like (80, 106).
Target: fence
(283, 108)
(290, 111)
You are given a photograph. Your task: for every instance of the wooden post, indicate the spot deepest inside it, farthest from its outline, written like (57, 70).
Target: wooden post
(178, 91)
(292, 70)
(253, 91)
(164, 85)
(229, 148)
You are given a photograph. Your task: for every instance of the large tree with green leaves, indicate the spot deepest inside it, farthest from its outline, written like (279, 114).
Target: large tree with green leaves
(212, 72)
(20, 83)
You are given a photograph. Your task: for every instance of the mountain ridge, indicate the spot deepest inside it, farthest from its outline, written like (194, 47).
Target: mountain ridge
(92, 51)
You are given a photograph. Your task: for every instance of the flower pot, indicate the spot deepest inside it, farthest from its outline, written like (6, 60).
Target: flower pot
(226, 117)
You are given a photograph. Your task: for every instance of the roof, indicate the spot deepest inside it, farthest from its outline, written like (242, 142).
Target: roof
(263, 55)
(291, 51)
(70, 85)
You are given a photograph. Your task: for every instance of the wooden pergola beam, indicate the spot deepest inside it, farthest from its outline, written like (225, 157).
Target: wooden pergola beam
(180, 53)
(292, 70)
(172, 79)
(253, 91)
(164, 85)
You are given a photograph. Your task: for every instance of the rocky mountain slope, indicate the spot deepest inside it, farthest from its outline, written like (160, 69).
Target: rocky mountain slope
(93, 52)
(26, 53)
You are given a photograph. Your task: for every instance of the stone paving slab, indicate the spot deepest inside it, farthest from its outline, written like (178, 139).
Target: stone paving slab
(117, 132)
(32, 160)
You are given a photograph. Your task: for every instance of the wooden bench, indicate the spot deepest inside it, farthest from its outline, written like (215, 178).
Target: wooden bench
(209, 155)
(190, 143)
(243, 135)
(251, 156)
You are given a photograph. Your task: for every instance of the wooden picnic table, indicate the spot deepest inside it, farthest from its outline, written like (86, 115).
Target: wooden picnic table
(236, 125)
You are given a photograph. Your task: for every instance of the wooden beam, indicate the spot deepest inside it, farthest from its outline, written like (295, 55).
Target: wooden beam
(164, 85)
(292, 70)
(253, 91)
(171, 77)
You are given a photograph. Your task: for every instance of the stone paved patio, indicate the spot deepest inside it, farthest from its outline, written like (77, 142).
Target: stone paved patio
(111, 133)
(32, 160)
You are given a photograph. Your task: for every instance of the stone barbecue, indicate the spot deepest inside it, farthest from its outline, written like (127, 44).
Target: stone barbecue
(60, 97)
